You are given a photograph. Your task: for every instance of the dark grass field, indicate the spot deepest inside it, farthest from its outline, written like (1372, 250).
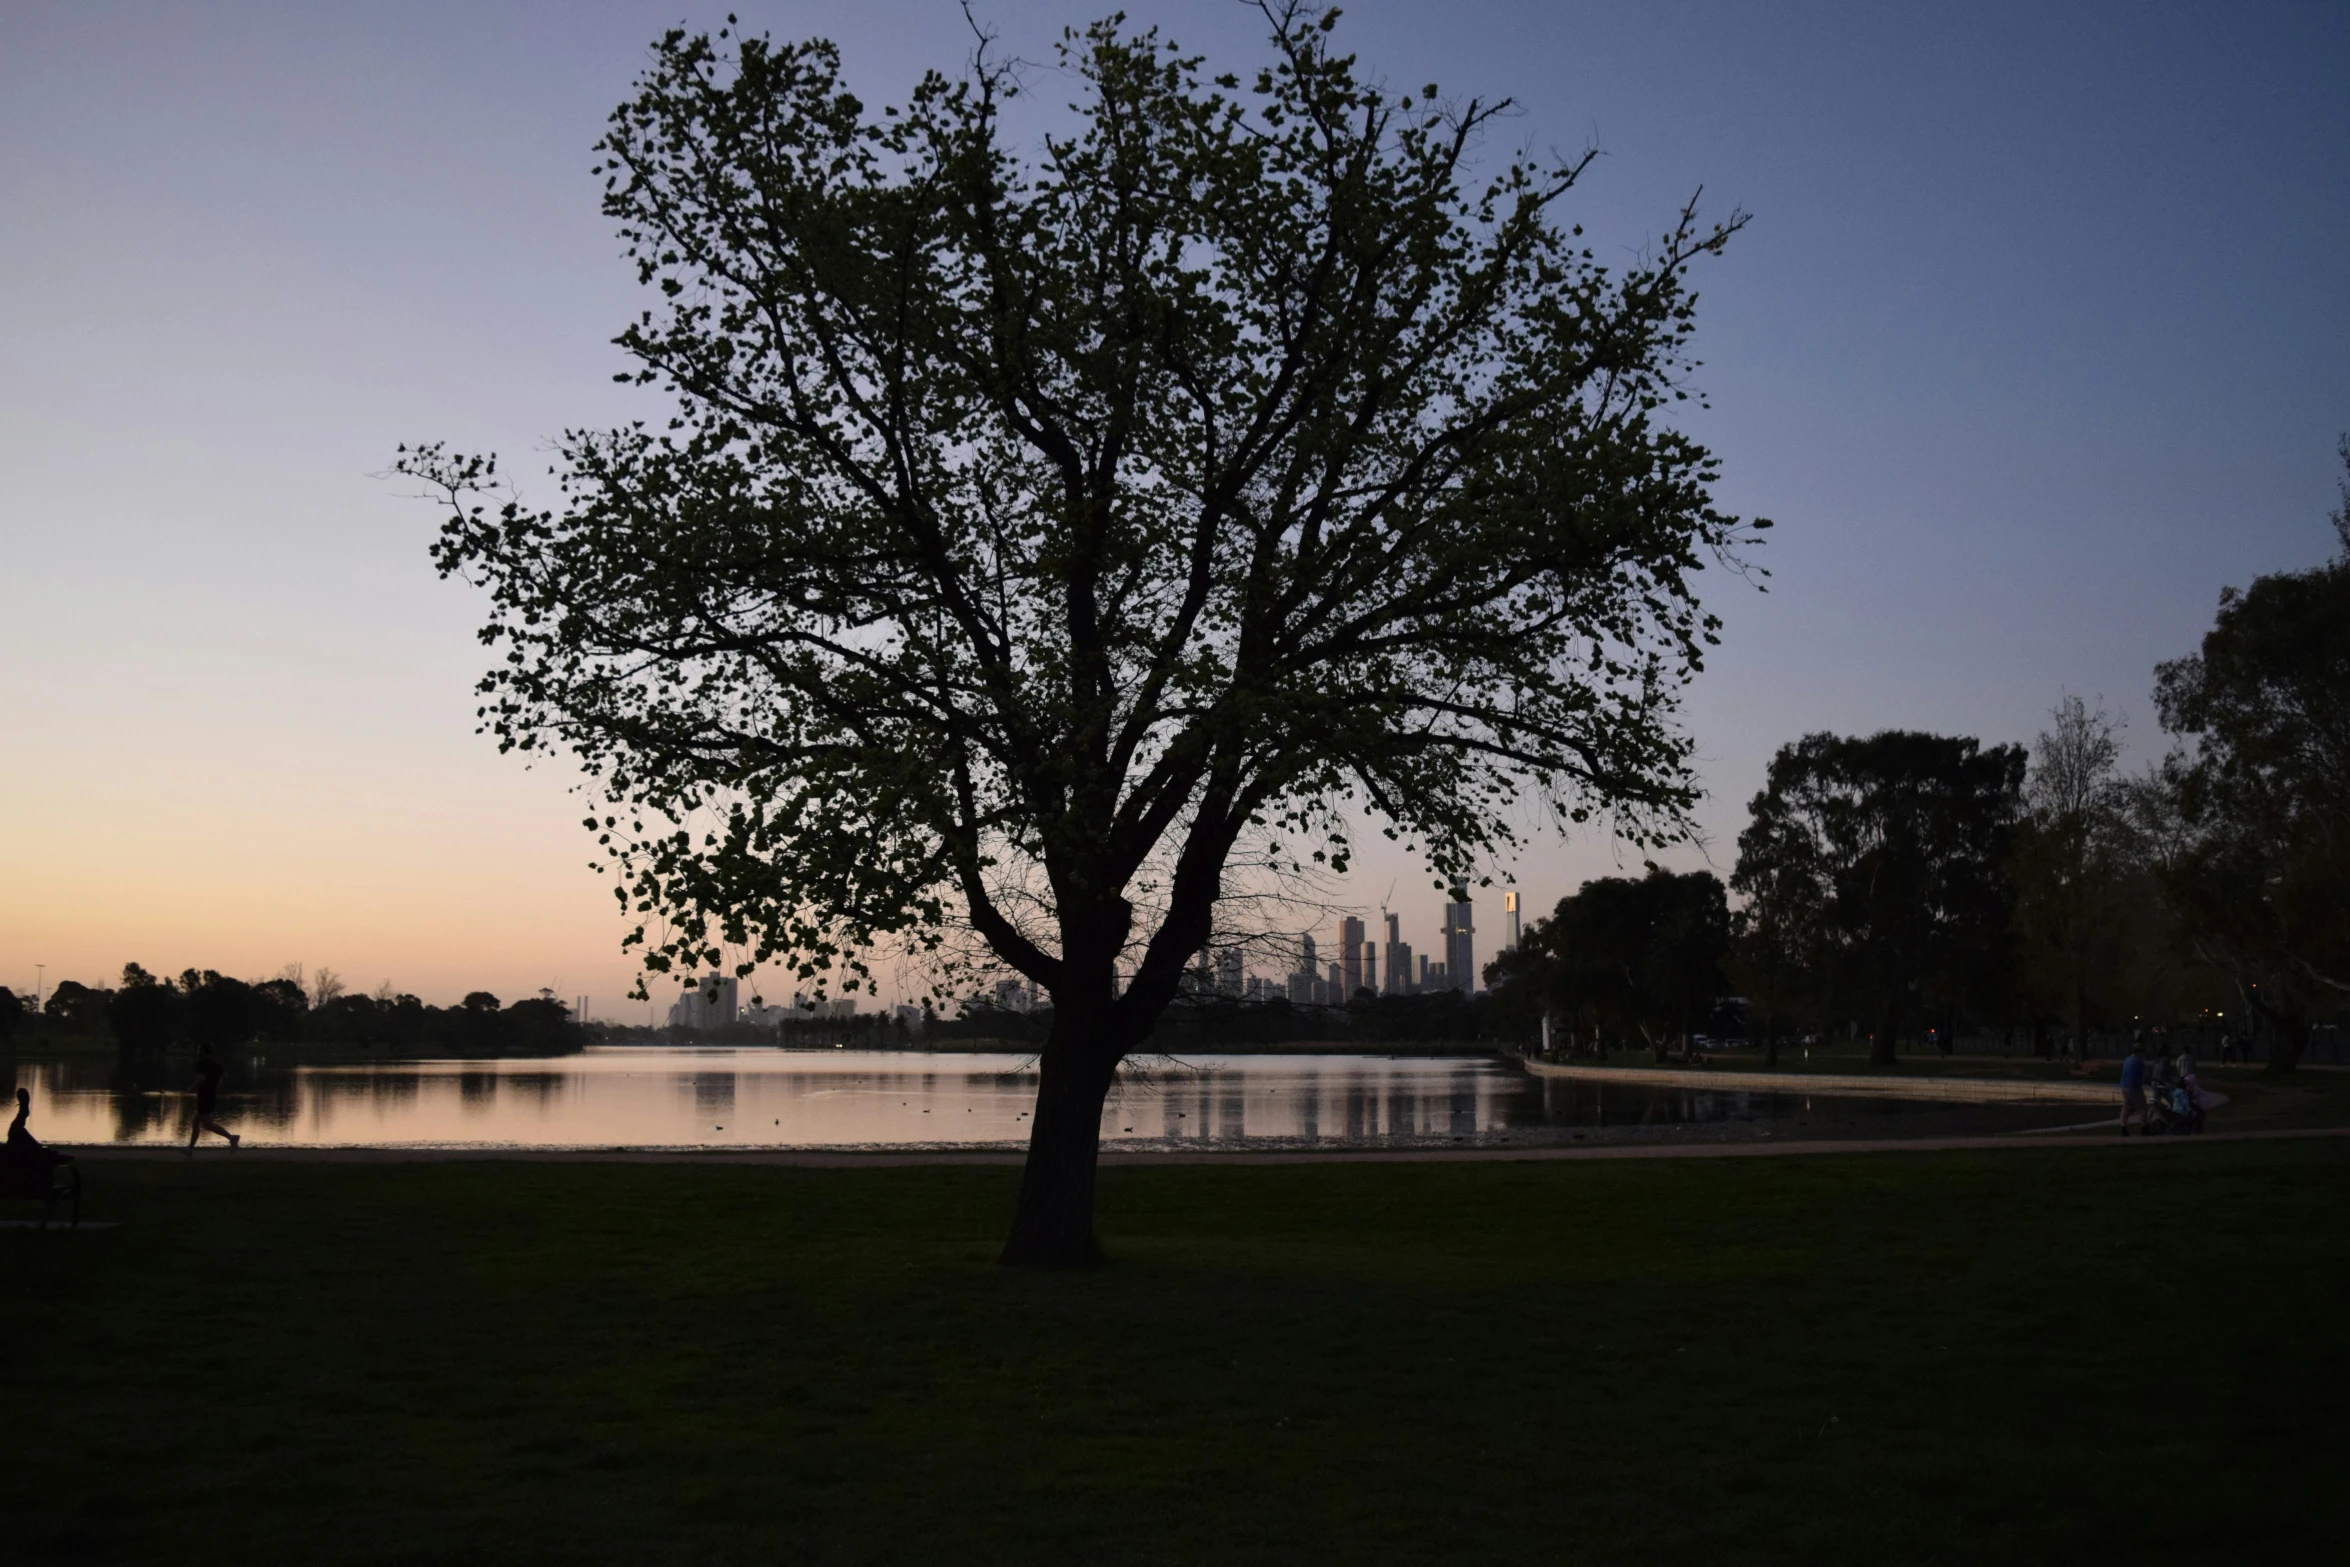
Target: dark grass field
(2111, 1354)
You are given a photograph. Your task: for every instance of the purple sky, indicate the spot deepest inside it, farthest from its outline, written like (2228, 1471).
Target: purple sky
(2041, 335)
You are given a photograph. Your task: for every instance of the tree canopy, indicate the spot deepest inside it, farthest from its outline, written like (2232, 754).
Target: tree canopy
(2076, 864)
(1888, 853)
(1029, 529)
(1625, 959)
(2258, 852)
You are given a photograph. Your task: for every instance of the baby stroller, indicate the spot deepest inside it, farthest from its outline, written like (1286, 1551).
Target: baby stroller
(2173, 1106)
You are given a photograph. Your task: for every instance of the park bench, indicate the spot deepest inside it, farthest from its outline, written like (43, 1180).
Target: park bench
(37, 1180)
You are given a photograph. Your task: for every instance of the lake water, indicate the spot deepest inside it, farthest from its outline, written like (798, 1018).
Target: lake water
(766, 1098)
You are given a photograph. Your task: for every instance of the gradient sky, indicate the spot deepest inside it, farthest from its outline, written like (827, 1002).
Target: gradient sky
(2040, 335)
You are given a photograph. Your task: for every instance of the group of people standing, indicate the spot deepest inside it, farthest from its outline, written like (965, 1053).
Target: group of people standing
(2163, 1093)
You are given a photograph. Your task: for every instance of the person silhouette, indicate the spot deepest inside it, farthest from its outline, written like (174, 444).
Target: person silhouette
(23, 1146)
(208, 1073)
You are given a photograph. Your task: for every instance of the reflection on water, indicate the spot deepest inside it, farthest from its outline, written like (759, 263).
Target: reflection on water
(767, 1098)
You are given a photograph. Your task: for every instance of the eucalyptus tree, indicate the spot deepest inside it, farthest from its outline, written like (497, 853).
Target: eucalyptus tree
(1890, 853)
(2075, 864)
(1777, 941)
(1625, 959)
(2254, 819)
(1031, 523)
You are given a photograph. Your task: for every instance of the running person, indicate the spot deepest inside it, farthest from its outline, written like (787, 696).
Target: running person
(208, 1072)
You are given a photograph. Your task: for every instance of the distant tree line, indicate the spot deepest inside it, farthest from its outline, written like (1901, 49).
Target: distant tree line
(1903, 885)
(1204, 1020)
(145, 1014)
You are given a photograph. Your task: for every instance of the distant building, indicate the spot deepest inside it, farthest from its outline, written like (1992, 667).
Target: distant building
(1399, 958)
(908, 1018)
(710, 1002)
(1014, 995)
(1308, 978)
(1230, 978)
(1513, 934)
(1350, 954)
(1460, 946)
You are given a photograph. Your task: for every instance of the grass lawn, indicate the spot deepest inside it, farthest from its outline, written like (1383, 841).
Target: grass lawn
(2034, 1355)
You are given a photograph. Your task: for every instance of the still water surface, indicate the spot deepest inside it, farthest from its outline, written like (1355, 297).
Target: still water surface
(752, 1098)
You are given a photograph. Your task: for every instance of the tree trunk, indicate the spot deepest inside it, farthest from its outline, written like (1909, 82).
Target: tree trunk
(2080, 1027)
(1881, 1047)
(1053, 1224)
(2288, 1037)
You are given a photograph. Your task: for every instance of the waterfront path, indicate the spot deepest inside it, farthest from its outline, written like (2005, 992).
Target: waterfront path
(1968, 1090)
(840, 1159)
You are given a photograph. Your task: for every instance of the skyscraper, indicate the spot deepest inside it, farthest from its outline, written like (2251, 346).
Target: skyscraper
(1509, 911)
(1229, 977)
(1350, 955)
(1460, 947)
(1399, 958)
(709, 1002)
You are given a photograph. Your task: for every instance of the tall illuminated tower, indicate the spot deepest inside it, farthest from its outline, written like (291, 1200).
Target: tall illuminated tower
(1460, 947)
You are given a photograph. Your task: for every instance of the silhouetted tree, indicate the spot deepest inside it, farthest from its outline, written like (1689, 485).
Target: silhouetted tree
(1023, 534)
(2256, 855)
(1895, 845)
(477, 1024)
(76, 1008)
(2075, 862)
(1626, 959)
(13, 1012)
(218, 1010)
(540, 1025)
(144, 1013)
(1778, 934)
(279, 1007)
